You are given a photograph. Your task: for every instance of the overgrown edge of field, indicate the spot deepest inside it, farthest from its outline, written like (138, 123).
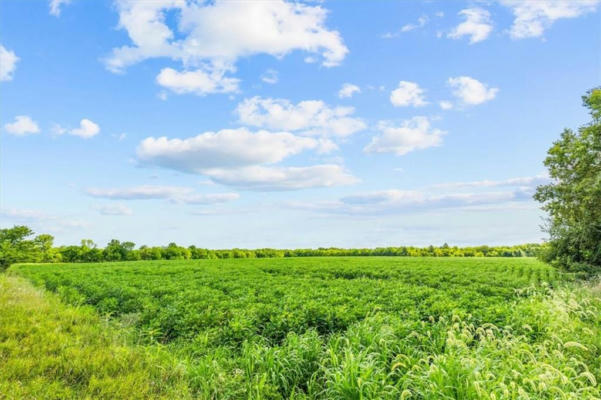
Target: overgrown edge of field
(52, 350)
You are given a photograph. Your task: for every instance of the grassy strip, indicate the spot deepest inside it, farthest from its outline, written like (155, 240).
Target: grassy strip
(49, 350)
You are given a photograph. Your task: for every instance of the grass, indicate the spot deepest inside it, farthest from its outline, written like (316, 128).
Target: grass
(49, 350)
(331, 328)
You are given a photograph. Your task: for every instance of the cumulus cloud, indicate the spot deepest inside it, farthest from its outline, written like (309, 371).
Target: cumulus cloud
(282, 178)
(270, 76)
(55, 6)
(227, 148)
(408, 94)
(209, 37)
(197, 81)
(176, 194)
(8, 64)
(470, 91)
(241, 158)
(411, 135)
(477, 25)
(348, 90)
(23, 125)
(87, 129)
(532, 18)
(310, 117)
(115, 209)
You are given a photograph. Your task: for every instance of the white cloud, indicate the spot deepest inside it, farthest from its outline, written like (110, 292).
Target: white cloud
(396, 201)
(211, 198)
(115, 209)
(8, 64)
(55, 6)
(310, 117)
(176, 194)
(23, 125)
(197, 81)
(212, 36)
(228, 148)
(87, 129)
(407, 94)
(477, 25)
(411, 135)
(270, 76)
(527, 181)
(348, 90)
(240, 158)
(283, 178)
(446, 105)
(533, 17)
(140, 192)
(471, 91)
(421, 22)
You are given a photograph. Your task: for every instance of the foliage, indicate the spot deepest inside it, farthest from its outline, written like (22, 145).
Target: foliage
(52, 351)
(16, 247)
(573, 199)
(353, 328)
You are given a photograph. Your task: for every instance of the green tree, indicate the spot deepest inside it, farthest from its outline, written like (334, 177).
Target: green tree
(573, 198)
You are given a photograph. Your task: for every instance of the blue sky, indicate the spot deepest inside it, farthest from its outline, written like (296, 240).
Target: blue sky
(278, 124)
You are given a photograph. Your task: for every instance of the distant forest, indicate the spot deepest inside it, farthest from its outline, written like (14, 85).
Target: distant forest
(18, 244)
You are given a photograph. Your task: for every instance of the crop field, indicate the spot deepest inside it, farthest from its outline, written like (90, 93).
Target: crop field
(349, 328)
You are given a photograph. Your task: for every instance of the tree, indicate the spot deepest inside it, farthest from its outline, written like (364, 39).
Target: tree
(573, 198)
(16, 247)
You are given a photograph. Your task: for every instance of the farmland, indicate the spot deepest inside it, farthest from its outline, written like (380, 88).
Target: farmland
(348, 328)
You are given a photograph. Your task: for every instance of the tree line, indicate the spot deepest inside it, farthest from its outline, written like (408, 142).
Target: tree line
(18, 244)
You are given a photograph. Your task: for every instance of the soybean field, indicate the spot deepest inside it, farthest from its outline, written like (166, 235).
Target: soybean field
(348, 328)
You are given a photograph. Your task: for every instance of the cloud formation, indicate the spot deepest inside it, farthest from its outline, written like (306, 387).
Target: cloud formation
(309, 117)
(348, 90)
(8, 64)
(22, 125)
(241, 158)
(87, 129)
(407, 94)
(55, 6)
(176, 194)
(197, 82)
(395, 201)
(413, 134)
(471, 91)
(532, 18)
(477, 25)
(263, 178)
(209, 38)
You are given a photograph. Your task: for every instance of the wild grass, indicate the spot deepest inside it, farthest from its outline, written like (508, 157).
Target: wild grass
(49, 350)
(350, 328)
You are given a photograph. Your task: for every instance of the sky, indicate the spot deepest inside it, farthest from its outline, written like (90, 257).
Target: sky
(288, 124)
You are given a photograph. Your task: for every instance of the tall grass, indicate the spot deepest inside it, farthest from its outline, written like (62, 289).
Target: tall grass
(49, 350)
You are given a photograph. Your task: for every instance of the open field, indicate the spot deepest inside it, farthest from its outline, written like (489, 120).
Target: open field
(347, 328)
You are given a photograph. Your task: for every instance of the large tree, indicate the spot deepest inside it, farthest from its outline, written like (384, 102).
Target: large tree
(573, 198)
